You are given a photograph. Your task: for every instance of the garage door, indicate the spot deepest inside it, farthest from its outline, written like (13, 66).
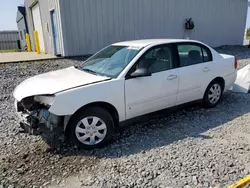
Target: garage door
(38, 25)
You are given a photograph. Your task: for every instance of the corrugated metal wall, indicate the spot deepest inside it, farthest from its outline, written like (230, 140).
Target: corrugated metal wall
(22, 31)
(45, 7)
(22, 27)
(89, 25)
(8, 40)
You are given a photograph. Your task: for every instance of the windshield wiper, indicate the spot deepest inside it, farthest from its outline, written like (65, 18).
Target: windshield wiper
(77, 67)
(90, 71)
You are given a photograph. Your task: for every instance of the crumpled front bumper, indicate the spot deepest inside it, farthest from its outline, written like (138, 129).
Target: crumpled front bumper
(40, 121)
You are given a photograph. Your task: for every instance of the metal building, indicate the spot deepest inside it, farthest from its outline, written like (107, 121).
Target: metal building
(78, 27)
(9, 40)
(22, 25)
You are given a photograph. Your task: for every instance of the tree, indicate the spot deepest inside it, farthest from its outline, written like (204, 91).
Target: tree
(248, 33)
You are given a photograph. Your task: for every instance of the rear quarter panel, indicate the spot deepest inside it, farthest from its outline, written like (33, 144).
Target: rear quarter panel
(112, 92)
(223, 66)
(227, 70)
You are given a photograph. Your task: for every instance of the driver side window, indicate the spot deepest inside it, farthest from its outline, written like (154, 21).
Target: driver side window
(157, 59)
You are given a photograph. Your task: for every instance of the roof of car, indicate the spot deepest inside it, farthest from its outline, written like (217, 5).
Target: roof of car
(146, 42)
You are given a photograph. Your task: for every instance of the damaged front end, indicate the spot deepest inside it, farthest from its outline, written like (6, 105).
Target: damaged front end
(35, 117)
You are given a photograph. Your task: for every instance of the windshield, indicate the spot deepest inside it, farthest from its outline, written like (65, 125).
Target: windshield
(111, 61)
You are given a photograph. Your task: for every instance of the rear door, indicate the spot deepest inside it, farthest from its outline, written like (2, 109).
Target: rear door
(195, 71)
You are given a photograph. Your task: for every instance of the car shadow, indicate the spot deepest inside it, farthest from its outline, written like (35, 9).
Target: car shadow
(166, 127)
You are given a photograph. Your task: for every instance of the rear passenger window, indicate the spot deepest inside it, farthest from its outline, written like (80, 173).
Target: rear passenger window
(191, 54)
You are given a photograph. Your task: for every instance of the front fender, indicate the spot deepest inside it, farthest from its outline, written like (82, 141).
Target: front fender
(68, 102)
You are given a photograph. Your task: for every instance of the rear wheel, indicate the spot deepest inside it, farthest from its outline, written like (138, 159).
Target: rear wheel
(213, 94)
(91, 128)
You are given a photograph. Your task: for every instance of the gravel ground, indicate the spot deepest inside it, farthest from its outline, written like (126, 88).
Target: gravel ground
(192, 147)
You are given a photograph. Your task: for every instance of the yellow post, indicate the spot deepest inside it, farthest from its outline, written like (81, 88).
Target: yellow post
(242, 183)
(37, 42)
(28, 42)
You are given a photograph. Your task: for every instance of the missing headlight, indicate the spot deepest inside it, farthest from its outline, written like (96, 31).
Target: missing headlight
(35, 103)
(26, 104)
(46, 100)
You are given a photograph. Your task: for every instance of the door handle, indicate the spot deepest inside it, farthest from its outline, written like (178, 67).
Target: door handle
(171, 77)
(206, 69)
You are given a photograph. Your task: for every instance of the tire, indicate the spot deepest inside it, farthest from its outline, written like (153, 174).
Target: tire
(91, 128)
(211, 99)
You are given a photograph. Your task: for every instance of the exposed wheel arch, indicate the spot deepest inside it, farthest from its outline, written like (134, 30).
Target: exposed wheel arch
(107, 106)
(91, 128)
(218, 79)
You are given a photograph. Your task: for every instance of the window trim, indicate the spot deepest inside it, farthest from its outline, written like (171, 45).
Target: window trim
(173, 51)
(209, 53)
(195, 44)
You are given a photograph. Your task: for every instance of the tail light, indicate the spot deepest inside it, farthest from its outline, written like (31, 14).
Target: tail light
(236, 63)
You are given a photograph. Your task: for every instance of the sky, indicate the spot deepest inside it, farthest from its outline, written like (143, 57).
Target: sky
(8, 10)
(248, 19)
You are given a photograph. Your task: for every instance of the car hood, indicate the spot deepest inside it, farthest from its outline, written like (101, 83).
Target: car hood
(54, 82)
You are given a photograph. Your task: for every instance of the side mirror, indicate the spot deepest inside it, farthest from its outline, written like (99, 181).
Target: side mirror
(141, 72)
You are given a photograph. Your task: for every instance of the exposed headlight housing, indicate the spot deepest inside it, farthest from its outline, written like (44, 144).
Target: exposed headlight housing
(46, 100)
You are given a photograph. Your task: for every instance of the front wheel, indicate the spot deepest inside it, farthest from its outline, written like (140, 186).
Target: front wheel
(213, 94)
(91, 128)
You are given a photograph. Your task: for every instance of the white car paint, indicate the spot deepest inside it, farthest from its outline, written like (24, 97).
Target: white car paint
(242, 84)
(74, 89)
(149, 94)
(194, 79)
(54, 82)
(149, 43)
(111, 91)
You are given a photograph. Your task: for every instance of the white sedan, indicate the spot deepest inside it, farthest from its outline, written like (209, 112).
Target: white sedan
(123, 81)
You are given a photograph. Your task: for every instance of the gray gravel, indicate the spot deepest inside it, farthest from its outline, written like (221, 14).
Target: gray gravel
(192, 147)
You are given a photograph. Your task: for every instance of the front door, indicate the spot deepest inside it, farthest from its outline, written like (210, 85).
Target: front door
(149, 94)
(55, 33)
